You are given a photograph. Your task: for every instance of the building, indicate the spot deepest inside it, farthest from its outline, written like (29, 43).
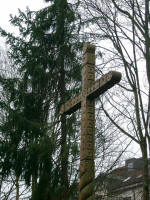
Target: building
(123, 183)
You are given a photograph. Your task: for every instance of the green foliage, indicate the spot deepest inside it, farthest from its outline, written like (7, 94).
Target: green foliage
(29, 148)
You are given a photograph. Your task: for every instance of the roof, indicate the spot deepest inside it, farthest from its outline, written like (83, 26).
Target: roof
(130, 180)
(123, 178)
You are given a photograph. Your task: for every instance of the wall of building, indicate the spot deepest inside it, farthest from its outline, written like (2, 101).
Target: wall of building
(131, 194)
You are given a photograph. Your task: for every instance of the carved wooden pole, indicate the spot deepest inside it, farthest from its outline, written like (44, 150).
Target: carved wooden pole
(91, 89)
(87, 126)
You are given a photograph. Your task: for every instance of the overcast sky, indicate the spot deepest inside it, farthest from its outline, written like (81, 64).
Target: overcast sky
(8, 7)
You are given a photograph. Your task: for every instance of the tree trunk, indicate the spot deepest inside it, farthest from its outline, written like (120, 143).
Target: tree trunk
(64, 149)
(1, 182)
(61, 61)
(147, 39)
(34, 183)
(145, 170)
(17, 188)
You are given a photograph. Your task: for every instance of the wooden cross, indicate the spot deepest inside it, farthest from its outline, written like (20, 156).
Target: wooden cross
(91, 89)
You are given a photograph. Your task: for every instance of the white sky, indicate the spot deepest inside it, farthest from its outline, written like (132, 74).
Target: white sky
(8, 7)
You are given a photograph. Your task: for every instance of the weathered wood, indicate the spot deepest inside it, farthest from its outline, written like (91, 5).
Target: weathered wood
(72, 105)
(91, 89)
(103, 84)
(98, 88)
(87, 172)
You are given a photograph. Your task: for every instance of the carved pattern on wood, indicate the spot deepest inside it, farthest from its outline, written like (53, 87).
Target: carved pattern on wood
(91, 89)
(99, 87)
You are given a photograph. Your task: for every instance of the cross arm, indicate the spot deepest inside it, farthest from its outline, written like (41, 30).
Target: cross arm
(100, 86)
(103, 84)
(72, 105)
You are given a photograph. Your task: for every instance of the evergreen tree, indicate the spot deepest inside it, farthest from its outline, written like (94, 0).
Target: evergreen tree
(45, 53)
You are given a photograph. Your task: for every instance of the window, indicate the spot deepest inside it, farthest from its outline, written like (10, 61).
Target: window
(130, 165)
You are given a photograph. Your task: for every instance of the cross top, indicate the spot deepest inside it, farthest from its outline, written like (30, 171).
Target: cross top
(91, 89)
